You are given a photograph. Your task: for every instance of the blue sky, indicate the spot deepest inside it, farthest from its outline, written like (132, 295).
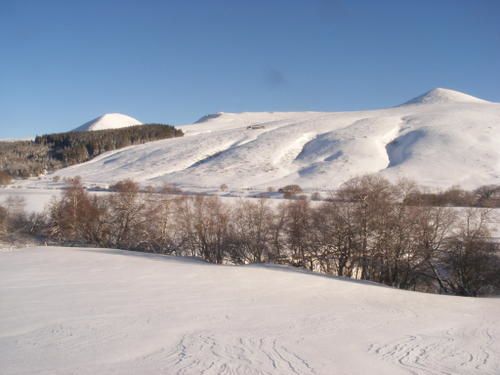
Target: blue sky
(65, 62)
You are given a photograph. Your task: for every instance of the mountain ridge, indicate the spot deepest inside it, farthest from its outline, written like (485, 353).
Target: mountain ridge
(440, 139)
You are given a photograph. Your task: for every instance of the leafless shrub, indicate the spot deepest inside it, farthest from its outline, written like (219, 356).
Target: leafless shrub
(170, 189)
(3, 222)
(289, 191)
(316, 196)
(5, 178)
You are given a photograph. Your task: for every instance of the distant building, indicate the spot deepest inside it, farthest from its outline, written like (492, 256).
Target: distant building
(256, 126)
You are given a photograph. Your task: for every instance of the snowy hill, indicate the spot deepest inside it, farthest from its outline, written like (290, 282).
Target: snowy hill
(88, 311)
(440, 96)
(439, 139)
(108, 121)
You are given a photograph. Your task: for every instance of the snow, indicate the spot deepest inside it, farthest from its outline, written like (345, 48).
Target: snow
(91, 311)
(35, 200)
(440, 95)
(108, 121)
(17, 139)
(439, 139)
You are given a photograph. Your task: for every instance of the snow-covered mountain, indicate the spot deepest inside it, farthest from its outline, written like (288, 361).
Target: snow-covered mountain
(108, 121)
(439, 139)
(443, 96)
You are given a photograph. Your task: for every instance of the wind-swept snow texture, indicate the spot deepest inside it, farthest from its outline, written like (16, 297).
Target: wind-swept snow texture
(108, 121)
(89, 311)
(439, 139)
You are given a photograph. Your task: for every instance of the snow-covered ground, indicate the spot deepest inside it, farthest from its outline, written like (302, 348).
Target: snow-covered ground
(439, 139)
(88, 311)
(35, 200)
(16, 139)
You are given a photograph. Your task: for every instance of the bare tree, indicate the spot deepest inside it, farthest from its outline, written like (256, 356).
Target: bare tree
(252, 223)
(126, 217)
(160, 231)
(73, 214)
(370, 229)
(470, 260)
(211, 228)
(434, 226)
(336, 242)
(277, 250)
(298, 229)
(488, 196)
(372, 196)
(3, 222)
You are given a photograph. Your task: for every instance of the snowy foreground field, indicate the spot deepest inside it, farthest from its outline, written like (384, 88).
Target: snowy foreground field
(89, 311)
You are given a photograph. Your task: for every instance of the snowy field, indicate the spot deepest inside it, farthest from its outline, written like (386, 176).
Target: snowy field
(440, 139)
(35, 200)
(87, 311)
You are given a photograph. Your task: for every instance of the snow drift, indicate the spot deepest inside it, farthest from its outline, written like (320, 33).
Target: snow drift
(108, 121)
(439, 139)
(90, 311)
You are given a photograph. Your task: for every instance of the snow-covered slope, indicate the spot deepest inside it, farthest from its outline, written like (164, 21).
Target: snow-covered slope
(87, 311)
(439, 139)
(108, 121)
(440, 96)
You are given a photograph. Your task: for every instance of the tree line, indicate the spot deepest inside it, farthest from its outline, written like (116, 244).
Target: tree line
(366, 231)
(50, 152)
(483, 196)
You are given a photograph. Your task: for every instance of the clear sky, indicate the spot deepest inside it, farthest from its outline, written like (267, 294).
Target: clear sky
(63, 63)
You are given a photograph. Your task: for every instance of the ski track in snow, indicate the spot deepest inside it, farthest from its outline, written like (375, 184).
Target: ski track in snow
(204, 353)
(445, 353)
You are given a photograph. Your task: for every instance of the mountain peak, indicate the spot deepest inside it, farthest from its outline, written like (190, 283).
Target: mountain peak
(108, 121)
(443, 96)
(208, 117)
